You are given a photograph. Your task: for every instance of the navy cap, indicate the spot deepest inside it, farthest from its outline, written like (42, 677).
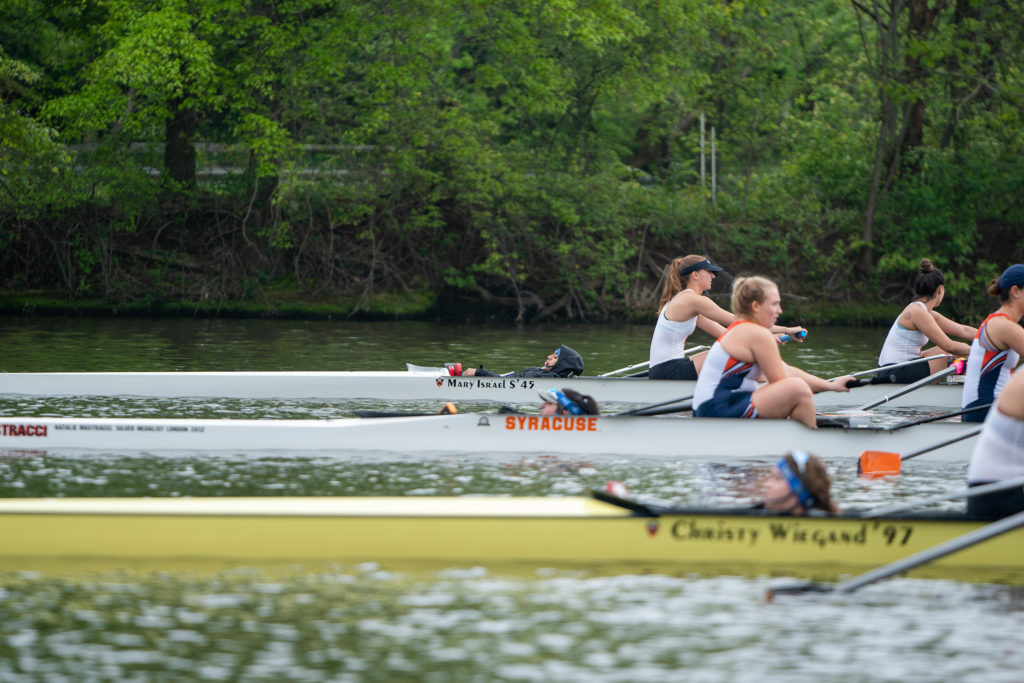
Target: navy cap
(1014, 275)
(700, 265)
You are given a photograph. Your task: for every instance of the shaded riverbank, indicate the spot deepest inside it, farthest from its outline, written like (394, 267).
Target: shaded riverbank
(286, 304)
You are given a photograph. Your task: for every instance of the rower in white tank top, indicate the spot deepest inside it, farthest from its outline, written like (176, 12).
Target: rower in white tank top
(902, 344)
(669, 338)
(999, 453)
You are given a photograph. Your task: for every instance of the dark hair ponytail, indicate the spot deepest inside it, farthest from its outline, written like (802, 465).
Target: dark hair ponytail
(928, 279)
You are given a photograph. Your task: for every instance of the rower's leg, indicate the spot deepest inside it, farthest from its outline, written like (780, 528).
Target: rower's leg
(790, 397)
(935, 364)
(698, 360)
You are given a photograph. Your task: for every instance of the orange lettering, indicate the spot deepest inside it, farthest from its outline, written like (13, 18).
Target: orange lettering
(591, 424)
(556, 423)
(510, 422)
(545, 424)
(532, 422)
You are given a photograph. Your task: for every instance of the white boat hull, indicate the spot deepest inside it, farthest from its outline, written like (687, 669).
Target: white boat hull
(409, 386)
(482, 433)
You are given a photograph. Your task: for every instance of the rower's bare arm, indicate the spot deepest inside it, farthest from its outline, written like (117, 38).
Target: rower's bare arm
(766, 352)
(953, 328)
(1006, 335)
(1011, 398)
(714, 313)
(926, 322)
(817, 384)
(793, 332)
(710, 326)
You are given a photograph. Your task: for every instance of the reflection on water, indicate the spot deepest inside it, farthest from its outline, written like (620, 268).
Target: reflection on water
(298, 474)
(88, 344)
(365, 623)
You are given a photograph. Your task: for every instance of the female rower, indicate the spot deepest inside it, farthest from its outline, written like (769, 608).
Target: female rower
(999, 454)
(683, 309)
(798, 484)
(998, 345)
(918, 324)
(746, 352)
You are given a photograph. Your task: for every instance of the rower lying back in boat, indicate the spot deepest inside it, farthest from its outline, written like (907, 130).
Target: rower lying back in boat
(562, 362)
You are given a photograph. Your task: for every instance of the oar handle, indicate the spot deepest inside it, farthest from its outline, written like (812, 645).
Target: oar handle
(799, 335)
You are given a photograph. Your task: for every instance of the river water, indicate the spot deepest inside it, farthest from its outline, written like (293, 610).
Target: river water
(379, 623)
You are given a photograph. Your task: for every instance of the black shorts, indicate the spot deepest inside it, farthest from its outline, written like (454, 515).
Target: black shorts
(995, 505)
(677, 368)
(907, 374)
(977, 415)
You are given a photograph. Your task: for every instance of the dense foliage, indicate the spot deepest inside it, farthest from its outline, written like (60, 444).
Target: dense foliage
(527, 158)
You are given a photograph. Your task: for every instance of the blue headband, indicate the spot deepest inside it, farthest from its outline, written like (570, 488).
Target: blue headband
(566, 402)
(795, 484)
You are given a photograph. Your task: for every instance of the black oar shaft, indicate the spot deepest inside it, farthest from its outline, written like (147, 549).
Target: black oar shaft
(934, 553)
(970, 492)
(940, 444)
(943, 416)
(639, 410)
(910, 387)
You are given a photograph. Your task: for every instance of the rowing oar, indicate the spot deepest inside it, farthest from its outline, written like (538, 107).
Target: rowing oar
(643, 410)
(615, 493)
(935, 418)
(884, 463)
(969, 492)
(905, 363)
(666, 410)
(907, 563)
(686, 352)
(955, 367)
(627, 368)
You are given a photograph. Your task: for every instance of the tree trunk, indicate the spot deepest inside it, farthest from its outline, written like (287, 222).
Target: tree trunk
(180, 148)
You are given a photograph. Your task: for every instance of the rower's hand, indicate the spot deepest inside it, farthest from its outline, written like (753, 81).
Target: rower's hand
(842, 383)
(791, 334)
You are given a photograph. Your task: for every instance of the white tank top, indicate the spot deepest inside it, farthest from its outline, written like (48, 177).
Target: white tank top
(902, 344)
(999, 453)
(669, 338)
(988, 368)
(723, 374)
